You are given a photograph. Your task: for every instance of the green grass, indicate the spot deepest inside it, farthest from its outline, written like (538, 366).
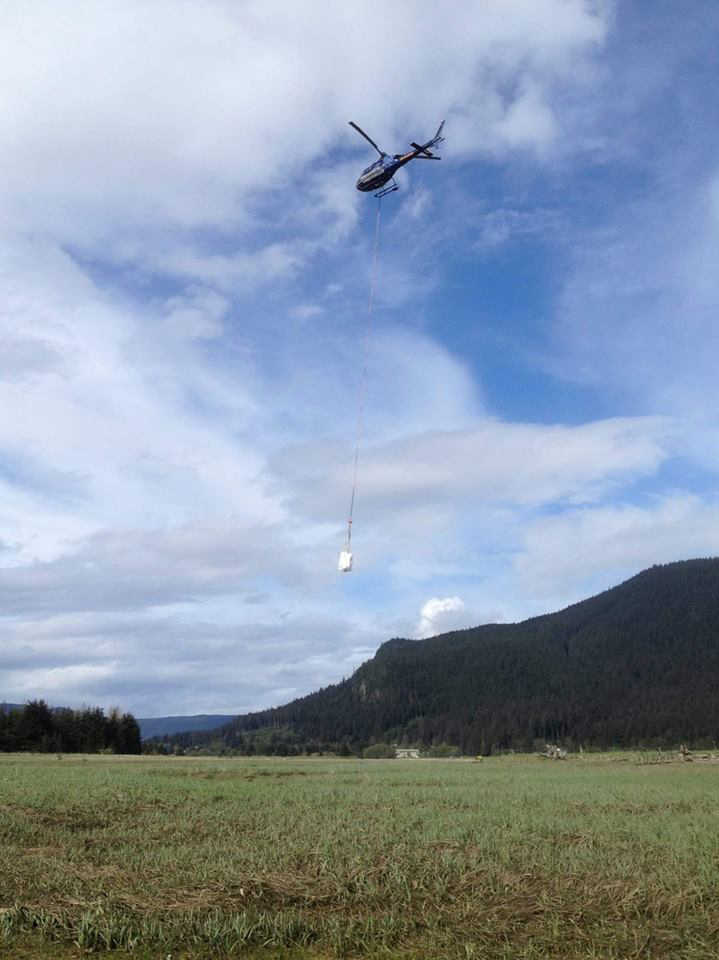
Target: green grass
(513, 857)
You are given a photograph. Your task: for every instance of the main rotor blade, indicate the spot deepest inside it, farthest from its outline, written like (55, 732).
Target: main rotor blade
(360, 130)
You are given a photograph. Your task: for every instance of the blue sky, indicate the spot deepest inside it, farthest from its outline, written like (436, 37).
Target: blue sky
(185, 270)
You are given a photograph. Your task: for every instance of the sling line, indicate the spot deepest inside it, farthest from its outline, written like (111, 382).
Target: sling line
(363, 378)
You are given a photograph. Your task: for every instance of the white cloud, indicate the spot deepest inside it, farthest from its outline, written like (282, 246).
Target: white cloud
(440, 615)
(489, 463)
(497, 227)
(307, 311)
(582, 551)
(237, 273)
(529, 121)
(198, 314)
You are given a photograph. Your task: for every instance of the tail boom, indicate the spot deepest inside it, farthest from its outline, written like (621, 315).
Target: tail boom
(423, 150)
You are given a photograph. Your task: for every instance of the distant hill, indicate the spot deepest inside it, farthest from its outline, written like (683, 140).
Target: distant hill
(637, 664)
(7, 707)
(164, 726)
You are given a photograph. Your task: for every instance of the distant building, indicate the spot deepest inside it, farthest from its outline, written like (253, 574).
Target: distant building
(406, 753)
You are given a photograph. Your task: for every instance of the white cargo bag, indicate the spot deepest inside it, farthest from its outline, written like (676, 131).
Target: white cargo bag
(345, 561)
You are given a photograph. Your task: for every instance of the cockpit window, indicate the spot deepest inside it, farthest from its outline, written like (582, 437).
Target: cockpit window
(372, 166)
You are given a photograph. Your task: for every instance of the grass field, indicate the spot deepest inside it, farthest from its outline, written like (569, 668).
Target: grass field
(514, 857)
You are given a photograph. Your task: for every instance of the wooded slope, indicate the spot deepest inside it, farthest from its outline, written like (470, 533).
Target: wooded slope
(637, 664)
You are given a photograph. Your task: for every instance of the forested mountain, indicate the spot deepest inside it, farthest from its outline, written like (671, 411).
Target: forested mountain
(637, 664)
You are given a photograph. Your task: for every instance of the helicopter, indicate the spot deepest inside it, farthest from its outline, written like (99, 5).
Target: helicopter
(382, 171)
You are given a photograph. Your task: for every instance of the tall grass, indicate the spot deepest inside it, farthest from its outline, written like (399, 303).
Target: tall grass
(513, 857)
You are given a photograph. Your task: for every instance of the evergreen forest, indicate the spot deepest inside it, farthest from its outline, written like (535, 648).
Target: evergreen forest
(42, 729)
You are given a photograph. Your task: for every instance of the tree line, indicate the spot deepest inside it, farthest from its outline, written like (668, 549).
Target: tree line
(38, 728)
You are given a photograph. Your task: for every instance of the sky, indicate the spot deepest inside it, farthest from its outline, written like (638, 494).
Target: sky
(185, 267)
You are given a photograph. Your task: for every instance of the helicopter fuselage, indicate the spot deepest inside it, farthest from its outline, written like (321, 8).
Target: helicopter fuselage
(382, 171)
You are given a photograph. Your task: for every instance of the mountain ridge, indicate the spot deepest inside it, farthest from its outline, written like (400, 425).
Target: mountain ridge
(165, 726)
(638, 663)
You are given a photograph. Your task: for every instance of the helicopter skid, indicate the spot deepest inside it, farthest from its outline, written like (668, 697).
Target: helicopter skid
(385, 190)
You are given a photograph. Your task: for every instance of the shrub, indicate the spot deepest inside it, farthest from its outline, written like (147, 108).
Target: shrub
(379, 751)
